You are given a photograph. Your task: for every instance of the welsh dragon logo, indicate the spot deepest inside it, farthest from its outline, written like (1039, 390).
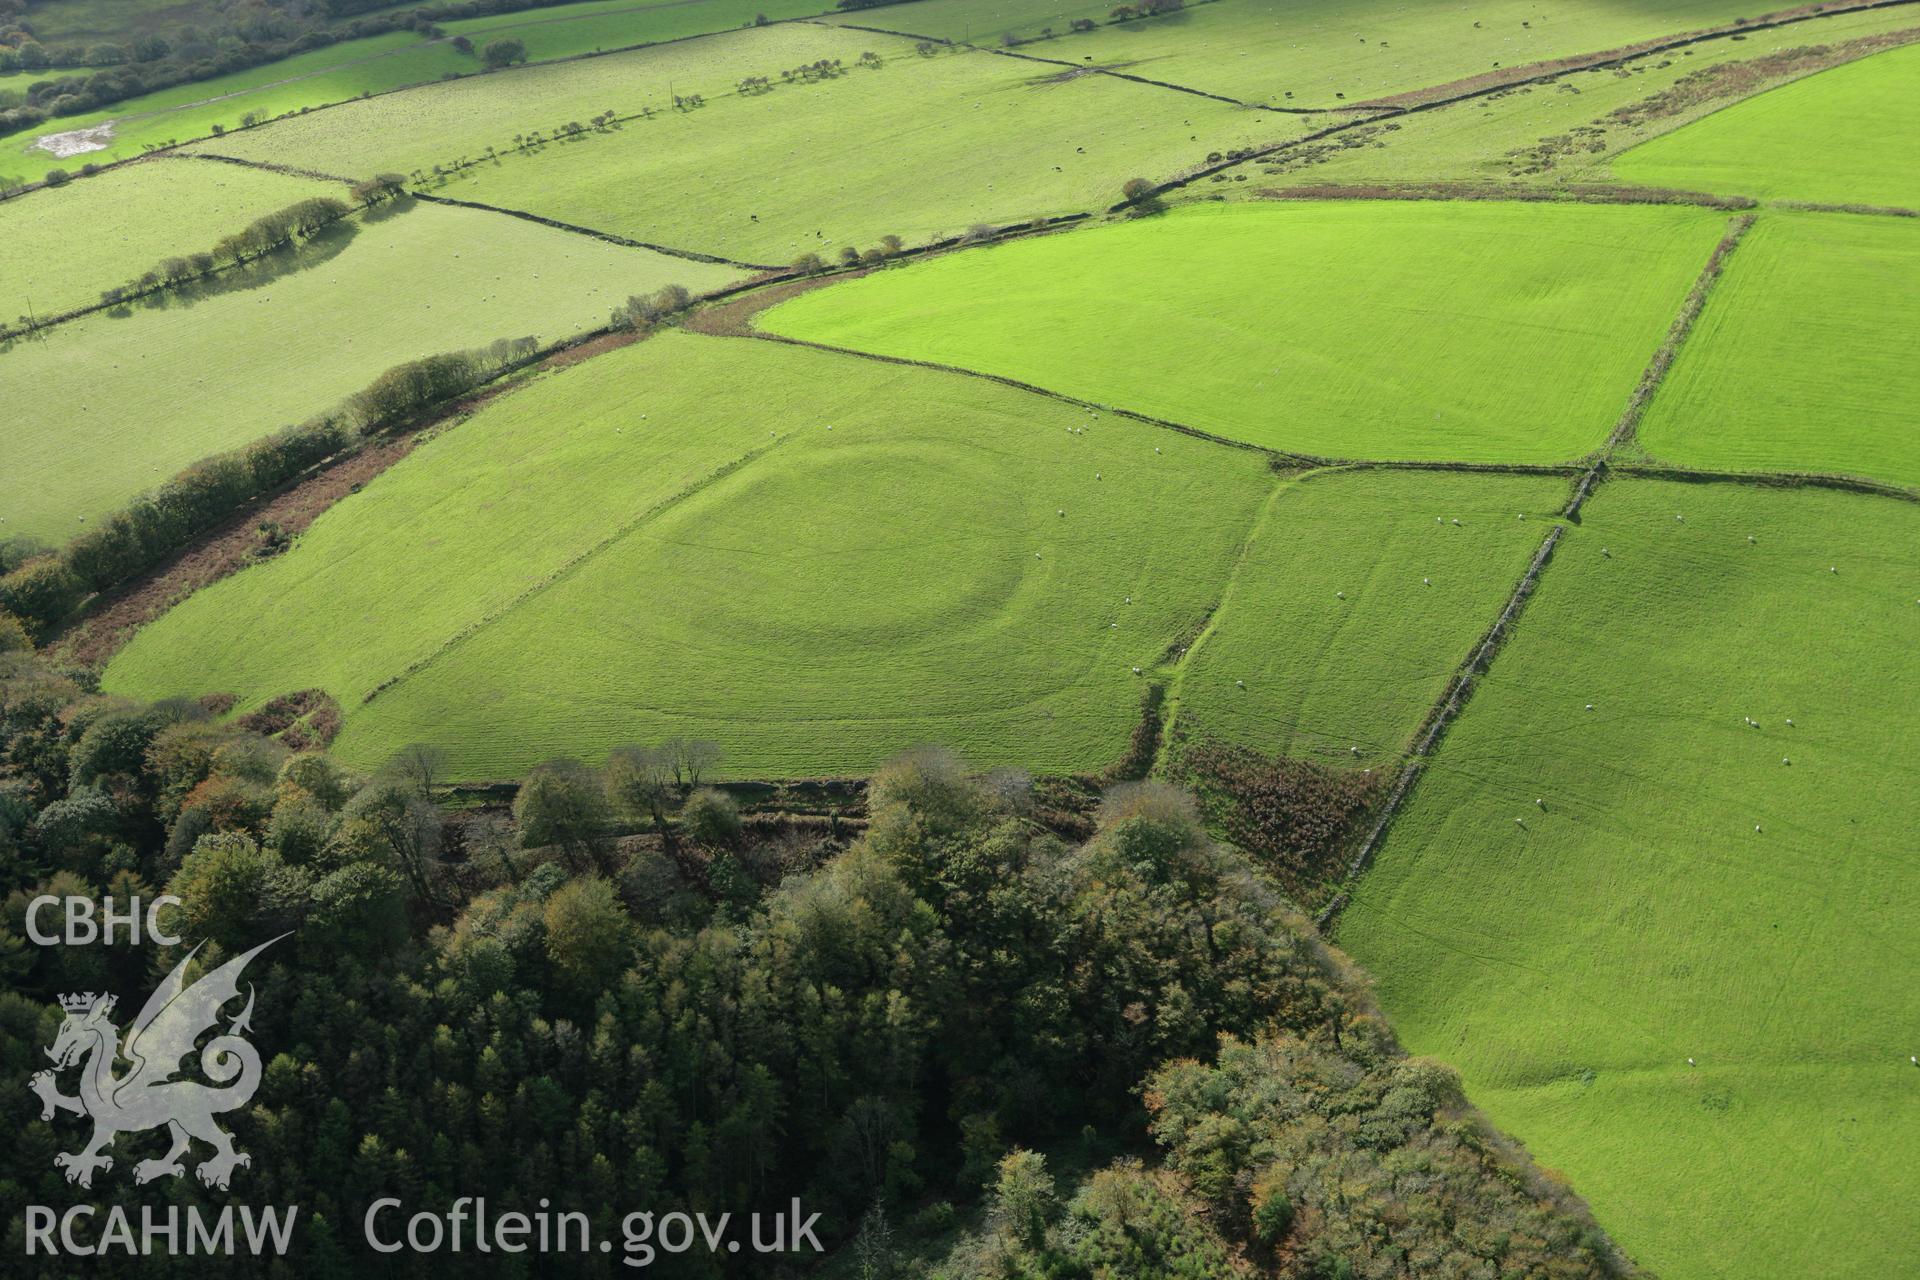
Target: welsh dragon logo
(148, 1095)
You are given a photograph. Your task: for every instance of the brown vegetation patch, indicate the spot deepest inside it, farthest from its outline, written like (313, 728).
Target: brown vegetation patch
(1740, 79)
(1577, 193)
(307, 720)
(734, 317)
(1534, 71)
(1293, 816)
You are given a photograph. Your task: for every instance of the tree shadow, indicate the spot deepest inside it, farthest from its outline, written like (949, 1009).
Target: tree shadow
(258, 273)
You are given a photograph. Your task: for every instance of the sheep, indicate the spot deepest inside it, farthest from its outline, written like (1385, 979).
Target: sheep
(1427, 581)
(1239, 684)
(1062, 511)
(1789, 722)
(1606, 554)
(1340, 595)
(1540, 803)
(1354, 750)
(1784, 760)
(1589, 706)
(1689, 1061)
(1136, 671)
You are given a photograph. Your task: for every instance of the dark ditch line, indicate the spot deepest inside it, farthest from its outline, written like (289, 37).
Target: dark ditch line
(1459, 689)
(1386, 112)
(690, 255)
(1289, 459)
(286, 169)
(1084, 69)
(1467, 193)
(1864, 210)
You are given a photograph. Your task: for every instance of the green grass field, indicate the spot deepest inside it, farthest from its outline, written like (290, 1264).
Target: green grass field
(114, 403)
(921, 148)
(1479, 332)
(1803, 358)
(1327, 54)
(731, 539)
(1357, 598)
(71, 242)
(1846, 136)
(444, 123)
(1685, 892)
(376, 64)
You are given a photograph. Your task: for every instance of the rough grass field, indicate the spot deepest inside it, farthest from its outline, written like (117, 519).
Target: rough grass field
(64, 245)
(1357, 597)
(1846, 136)
(379, 63)
(1685, 892)
(112, 403)
(920, 148)
(812, 559)
(1567, 130)
(1328, 54)
(1804, 357)
(1480, 332)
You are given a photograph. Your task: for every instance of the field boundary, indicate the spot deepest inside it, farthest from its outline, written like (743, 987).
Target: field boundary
(39, 325)
(691, 255)
(1626, 53)
(1301, 459)
(566, 569)
(1468, 192)
(1678, 332)
(1452, 701)
(1607, 59)
(1083, 68)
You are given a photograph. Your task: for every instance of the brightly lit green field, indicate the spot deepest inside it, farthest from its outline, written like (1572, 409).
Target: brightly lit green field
(920, 148)
(443, 123)
(379, 63)
(104, 406)
(812, 559)
(1480, 332)
(1686, 892)
(1355, 601)
(1846, 136)
(1804, 357)
(1566, 130)
(1326, 54)
(65, 244)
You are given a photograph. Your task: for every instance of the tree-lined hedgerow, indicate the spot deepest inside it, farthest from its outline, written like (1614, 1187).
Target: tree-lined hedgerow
(44, 590)
(268, 234)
